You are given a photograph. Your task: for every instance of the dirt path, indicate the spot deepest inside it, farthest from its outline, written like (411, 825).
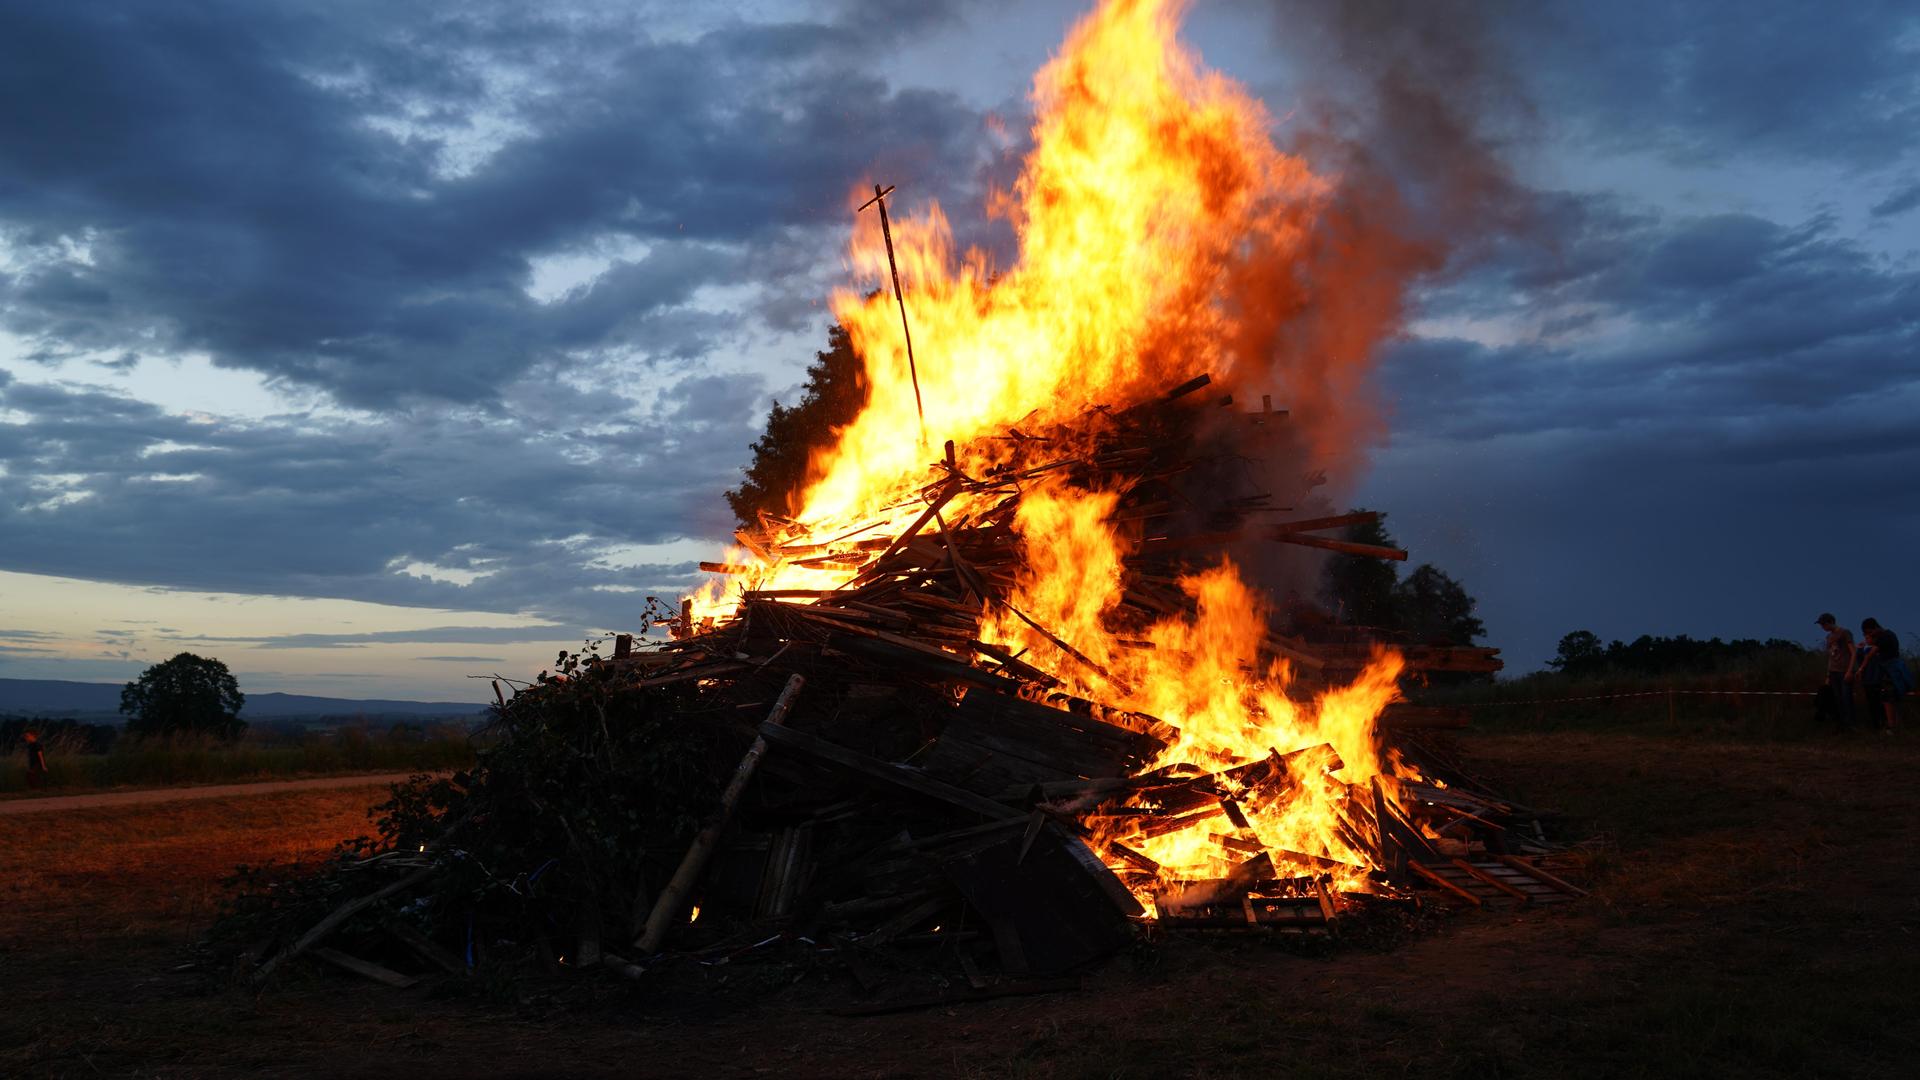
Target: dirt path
(212, 791)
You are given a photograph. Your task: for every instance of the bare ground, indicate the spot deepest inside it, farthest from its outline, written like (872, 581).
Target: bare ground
(1754, 915)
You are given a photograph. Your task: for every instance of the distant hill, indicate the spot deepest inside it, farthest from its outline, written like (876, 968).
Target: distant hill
(58, 697)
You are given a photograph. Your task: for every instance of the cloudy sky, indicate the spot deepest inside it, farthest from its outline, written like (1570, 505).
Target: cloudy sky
(369, 346)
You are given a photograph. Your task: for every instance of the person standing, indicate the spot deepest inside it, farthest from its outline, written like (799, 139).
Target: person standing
(1839, 663)
(36, 761)
(1884, 679)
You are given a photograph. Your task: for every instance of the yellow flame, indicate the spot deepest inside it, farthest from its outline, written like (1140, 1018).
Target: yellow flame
(1160, 234)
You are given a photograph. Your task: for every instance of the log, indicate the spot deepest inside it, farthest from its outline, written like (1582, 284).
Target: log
(667, 908)
(339, 915)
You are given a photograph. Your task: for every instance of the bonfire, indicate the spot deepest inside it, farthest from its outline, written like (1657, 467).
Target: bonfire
(1011, 667)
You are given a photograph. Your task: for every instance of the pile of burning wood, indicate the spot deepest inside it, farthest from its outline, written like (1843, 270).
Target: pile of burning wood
(1010, 700)
(915, 789)
(915, 782)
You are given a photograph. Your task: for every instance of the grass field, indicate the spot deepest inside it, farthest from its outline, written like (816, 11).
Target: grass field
(1754, 913)
(169, 762)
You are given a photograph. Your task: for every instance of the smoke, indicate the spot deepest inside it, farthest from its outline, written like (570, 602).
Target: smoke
(1411, 110)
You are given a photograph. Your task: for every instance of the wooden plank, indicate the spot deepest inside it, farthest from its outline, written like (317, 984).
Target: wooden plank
(339, 915)
(894, 776)
(1479, 875)
(1532, 870)
(1363, 517)
(1433, 877)
(1344, 547)
(364, 968)
(667, 909)
(425, 947)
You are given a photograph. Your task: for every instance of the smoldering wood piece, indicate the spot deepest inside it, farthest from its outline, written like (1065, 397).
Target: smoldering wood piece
(1241, 880)
(906, 920)
(1465, 802)
(366, 969)
(1049, 912)
(1336, 521)
(1252, 912)
(1014, 664)
(1135, 858)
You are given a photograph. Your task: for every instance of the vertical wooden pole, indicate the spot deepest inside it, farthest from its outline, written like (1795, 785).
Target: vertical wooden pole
(667, 908)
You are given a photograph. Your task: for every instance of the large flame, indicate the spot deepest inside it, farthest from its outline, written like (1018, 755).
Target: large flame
(1160, 233)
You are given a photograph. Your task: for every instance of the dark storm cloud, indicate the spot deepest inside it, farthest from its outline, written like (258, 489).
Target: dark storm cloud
(1712, 78)
(1899, 202)
(1725, 315)
(281, 185)
(1733, 394)
(308, 507)
(476, 635)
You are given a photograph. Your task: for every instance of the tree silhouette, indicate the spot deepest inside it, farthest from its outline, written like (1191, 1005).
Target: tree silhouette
(1361, 587)
(1579, 651)
(1432, 607)
(834, 393)
(185, 694)
(1427, 606)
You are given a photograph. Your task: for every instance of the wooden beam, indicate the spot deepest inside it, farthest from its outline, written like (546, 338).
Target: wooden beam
(339, 915)
(1344, 547)
(1364, 517)
(366, 969)
(895, 776)
(667, 909)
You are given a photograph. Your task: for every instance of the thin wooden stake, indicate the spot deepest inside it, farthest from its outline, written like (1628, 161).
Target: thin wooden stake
(667, 909)
(886, 232)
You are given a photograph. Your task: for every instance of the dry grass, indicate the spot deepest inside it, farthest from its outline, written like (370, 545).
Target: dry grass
(180, 760)
(154, 870)
(1754, 916)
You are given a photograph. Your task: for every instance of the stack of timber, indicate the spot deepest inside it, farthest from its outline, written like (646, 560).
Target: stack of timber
(912, 791)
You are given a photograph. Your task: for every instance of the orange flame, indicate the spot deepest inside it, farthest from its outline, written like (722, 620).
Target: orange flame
(1161, 233)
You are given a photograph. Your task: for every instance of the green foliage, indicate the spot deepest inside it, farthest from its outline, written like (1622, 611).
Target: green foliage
(1362, 588)
(1581, 654)
(168, 760)
(834, 393)
(187, 694)
(587, 790)
(1579, 651)
(1427, 606)
(1432, 607)
(65, 734)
